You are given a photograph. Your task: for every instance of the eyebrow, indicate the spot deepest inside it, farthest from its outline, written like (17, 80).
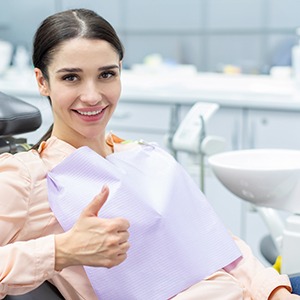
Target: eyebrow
(76, 70)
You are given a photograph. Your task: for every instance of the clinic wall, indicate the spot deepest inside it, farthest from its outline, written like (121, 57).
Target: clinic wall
(252, 34)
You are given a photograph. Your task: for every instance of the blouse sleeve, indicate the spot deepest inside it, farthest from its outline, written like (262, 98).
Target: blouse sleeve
(259, 280)
(24, 265)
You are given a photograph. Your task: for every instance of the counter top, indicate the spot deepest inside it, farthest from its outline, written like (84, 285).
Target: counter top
(259, 91)
(185, 88)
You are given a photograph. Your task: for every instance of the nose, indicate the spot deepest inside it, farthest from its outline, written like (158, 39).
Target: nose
(91, 93)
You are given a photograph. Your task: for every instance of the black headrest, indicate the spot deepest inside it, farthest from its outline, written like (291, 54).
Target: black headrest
(17, 116)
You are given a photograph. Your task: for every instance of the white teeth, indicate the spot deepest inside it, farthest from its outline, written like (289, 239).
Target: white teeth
(89, 113)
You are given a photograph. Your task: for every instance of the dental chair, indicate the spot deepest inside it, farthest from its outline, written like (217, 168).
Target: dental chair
(16, 117)
(191, 138)
(19, 117)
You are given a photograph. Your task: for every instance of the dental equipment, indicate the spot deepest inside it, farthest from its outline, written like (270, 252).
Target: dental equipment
(269, 179)
(191, 136)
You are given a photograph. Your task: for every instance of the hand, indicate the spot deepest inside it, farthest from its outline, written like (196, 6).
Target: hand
(93, 241)
(281, 293)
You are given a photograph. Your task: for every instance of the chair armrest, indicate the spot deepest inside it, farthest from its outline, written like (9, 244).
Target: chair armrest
(46, 291)
(17, 116)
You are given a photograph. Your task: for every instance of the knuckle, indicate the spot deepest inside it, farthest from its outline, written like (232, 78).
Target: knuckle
(122, 258)
(112, 226)
(122, 222)
(117, 224)
(112, 241)
(110, 264)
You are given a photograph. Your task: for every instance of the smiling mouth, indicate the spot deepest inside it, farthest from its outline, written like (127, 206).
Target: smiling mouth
(89, 113)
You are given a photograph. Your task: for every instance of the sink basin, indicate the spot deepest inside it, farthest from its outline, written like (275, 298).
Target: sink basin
(264, 177)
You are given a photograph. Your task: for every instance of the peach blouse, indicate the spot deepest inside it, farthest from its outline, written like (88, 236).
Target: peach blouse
(28, 226)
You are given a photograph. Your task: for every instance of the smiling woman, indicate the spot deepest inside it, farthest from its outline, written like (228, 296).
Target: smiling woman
(80, 76)
(84, 87)
(77, 59)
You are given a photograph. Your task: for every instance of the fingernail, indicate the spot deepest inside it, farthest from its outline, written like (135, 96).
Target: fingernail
(104, 187)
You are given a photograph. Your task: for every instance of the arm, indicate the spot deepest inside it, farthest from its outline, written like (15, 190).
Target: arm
(282, 293)
(263, 283)
(27, 263)
(23, 265)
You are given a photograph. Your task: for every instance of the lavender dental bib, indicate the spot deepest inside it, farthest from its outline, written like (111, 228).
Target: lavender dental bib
(176, 238)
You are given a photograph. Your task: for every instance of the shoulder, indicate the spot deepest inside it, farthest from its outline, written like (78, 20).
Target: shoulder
(23, 164)
(21, 158)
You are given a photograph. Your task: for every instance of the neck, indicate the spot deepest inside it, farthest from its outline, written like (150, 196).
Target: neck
(98, 144)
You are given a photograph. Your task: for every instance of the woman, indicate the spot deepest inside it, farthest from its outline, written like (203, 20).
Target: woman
(78, 58)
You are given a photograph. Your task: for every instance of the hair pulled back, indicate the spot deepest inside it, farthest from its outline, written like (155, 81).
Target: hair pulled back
(66, 25)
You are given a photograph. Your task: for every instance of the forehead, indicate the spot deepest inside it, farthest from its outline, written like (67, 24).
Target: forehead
(82, 50)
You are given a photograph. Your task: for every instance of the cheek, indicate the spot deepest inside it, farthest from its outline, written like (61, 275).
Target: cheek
(61, 102)
(117, 97)
(114, 94)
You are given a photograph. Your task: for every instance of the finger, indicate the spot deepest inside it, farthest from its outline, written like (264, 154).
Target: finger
(124, 247)
(120, 258)
(123, 236)
(123, 224)
(93, 208)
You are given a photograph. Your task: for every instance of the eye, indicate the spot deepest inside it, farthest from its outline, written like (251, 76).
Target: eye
(107, 74)
(70, 77)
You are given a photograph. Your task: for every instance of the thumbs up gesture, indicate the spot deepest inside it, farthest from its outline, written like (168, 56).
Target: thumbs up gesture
(93, 241)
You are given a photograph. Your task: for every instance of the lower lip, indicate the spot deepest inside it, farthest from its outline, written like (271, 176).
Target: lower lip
(92, 118)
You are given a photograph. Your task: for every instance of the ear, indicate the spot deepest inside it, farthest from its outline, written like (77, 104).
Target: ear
(42, 82)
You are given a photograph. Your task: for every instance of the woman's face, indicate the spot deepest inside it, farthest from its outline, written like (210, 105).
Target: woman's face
(84, 86)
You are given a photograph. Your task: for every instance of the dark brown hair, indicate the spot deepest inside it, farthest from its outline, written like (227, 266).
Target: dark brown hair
(64, 26)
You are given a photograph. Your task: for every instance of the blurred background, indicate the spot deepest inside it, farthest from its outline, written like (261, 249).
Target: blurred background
(252, 35)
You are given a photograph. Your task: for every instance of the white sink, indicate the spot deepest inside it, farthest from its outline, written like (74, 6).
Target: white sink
(264, 177)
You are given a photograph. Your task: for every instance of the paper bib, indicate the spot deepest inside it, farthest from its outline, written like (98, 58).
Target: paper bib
(175, 236)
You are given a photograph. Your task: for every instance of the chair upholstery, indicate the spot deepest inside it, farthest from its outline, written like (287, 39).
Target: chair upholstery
(46, 291)
(17, 116)
(268, 249)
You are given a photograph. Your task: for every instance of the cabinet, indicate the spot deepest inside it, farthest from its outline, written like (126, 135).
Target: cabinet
(229, 124)
(150, 122)
(273, 129)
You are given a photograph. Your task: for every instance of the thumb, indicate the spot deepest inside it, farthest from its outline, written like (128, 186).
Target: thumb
(93, 208)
